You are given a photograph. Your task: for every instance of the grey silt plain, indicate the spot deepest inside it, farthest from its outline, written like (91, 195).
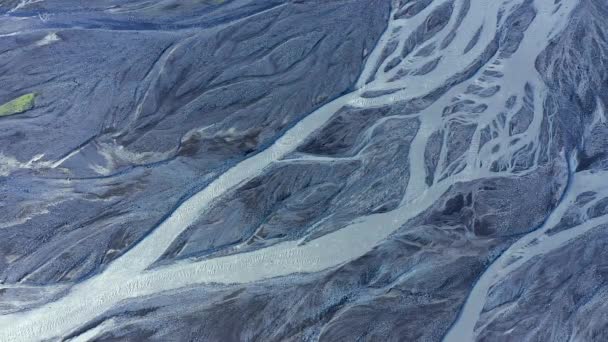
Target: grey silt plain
(365, 170)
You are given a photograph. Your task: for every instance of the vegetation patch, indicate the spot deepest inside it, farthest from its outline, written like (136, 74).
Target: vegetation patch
(19, 105)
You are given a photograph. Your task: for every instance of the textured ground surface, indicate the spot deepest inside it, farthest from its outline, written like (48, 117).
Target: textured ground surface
(304, 170)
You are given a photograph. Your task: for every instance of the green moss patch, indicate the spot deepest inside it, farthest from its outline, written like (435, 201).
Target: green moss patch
(19, 105)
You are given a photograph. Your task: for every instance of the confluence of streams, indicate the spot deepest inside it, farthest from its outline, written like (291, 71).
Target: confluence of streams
(128, 277)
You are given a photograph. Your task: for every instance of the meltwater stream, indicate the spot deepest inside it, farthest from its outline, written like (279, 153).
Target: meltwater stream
(128, 277)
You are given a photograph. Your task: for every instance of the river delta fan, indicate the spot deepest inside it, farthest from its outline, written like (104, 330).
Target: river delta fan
(242, 170)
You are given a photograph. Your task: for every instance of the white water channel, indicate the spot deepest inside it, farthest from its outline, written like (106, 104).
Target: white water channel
(127, 276)
(533, 244)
